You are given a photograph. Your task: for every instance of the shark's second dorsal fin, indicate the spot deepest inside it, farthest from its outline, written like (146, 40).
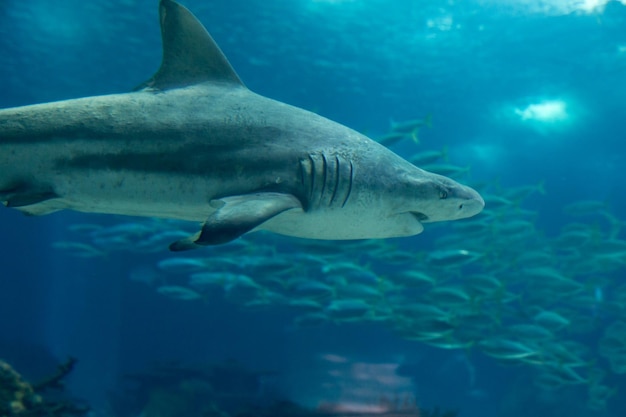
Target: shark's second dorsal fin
(190, 55)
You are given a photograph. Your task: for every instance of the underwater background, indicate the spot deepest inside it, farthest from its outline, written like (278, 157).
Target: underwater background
(519, 311)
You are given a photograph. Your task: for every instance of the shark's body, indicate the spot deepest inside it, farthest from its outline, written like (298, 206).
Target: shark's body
(196, 144)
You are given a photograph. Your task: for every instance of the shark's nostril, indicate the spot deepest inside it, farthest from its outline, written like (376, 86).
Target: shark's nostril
(460, 206)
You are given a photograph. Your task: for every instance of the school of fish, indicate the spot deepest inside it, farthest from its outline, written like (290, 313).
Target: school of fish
(494, 283)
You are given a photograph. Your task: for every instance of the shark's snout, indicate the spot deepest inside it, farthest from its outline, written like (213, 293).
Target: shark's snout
(448, 200)
(470, 204)
(445, 199)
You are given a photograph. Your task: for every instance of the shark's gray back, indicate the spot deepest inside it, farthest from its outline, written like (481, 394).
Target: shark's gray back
(191, 135)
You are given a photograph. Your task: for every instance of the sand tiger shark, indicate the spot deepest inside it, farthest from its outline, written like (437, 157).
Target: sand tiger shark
(193, 143)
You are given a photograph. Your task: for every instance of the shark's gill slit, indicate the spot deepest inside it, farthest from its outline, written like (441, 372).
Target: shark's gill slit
(302, 173)
(324, 170)
(349, 185)
(313, 172)
(332, 198)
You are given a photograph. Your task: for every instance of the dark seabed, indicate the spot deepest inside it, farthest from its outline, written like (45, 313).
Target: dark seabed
(519, 311)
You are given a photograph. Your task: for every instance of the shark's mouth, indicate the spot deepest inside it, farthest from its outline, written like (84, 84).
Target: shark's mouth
(421, 217)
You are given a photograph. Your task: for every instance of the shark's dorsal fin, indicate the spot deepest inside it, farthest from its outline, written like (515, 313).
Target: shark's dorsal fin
(190, 55)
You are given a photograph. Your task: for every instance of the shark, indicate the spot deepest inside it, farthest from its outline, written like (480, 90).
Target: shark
(194, 143)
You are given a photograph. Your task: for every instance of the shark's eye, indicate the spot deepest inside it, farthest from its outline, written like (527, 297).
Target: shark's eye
(443, 194)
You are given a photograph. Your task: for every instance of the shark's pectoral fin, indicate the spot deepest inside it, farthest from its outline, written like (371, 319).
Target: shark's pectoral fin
(237, 215)
(28, 198)
(241, 214)
(185, 244)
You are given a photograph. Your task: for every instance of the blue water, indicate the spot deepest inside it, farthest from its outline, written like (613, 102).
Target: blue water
(477, 66)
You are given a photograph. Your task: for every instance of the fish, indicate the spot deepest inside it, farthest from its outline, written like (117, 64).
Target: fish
(391, 138)
(156, 242)
(522, 192)
(449, 297)
(311, 289)
(506, 349)
(550, 381)
(194, 143)
(515, 227)
(483, 284)
(343, 268)
(78, 249)
(242, 288)
(452, 257)
(429, 157)
(181, 265)
(408, 126)
(179, 293)
(412, 127)
(360, 291)
(573, 239)
(347, 309)
(584, 207)
(310, 320)
(410, 278)
(551, 320)
(498, 202)
(119, 237)
(447, 341)
(447, 169)
(84, 229)
(529, 332)
(427, 328)
(422, 311)
(202, 281)
(397, 257)
(304, 304)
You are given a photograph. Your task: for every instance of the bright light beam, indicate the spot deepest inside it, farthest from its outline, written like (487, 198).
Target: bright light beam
(546, 111)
